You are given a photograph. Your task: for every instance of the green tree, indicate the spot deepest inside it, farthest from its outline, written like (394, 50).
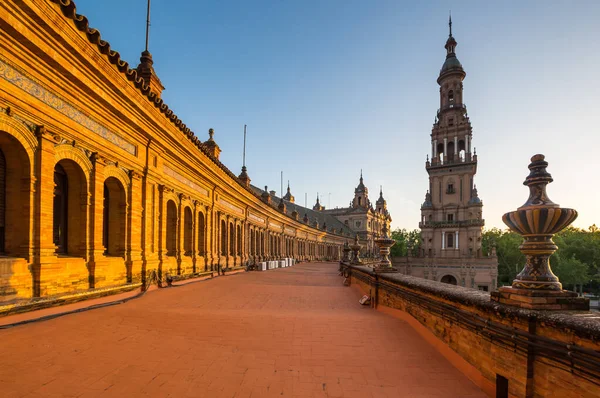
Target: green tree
(405, 240)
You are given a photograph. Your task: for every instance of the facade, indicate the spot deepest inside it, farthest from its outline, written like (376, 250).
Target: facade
(362, 218)
(100, 182)
(451, 215)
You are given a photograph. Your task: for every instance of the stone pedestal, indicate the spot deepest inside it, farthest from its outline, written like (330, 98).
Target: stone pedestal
(384, 243)
(540, 300)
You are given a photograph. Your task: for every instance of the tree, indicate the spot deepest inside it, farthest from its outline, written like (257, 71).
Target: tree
(405, 240)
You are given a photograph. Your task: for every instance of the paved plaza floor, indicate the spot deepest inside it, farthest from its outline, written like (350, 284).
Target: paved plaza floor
(291, 332)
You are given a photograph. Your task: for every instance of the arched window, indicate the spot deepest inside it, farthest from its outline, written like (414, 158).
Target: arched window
(201, 235)
(449, 279)
(171, 222)
(451, 97)
(359, 200)
(223, 238)
(115, 217)
(59, 228)
(188, 231)
(239, 240)
(70, 208)
(231, 240)
(450, 154)
(15, 206)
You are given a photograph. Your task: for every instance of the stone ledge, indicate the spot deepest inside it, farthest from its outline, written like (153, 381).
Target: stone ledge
(55, 301)
(584, 323)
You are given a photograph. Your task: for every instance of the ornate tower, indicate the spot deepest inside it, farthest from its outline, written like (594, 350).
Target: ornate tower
(361, 195)
(451, 218)
(381, 204)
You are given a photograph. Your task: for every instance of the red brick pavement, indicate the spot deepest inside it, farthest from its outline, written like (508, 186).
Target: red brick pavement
(292, 332)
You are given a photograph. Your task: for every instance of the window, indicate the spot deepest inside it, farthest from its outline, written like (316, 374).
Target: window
(451, 122)
(60, 209)
(449, 240)
(450, 217)
(358, 224)
(451, 97)
(450, 188)
(482, 288)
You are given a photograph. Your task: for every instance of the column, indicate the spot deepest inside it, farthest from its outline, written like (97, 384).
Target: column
(434, 149)
(43, 243)
(134, 228)
(180, 232)
(443, 240)
(96, 249)
(456, 240)
(455, 145)
(467, 144)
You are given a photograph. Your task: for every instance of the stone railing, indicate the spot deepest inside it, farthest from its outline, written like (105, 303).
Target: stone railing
(504, 349)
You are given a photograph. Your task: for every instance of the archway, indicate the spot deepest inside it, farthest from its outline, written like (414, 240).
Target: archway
(69, 208)
(201, 236)
(449, 279)
(188, 231)
(223, 238)
(114, 220)
(15, 208)
(171, 222)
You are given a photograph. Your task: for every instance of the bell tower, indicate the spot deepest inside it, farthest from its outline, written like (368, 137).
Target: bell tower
(451, 216)
(361, 195)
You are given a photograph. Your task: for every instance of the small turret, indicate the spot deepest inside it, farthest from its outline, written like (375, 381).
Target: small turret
(211, 146)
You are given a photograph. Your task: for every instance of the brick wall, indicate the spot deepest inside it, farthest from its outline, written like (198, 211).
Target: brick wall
(540, 353)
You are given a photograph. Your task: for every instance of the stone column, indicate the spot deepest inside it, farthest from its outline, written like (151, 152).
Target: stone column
(44, 250)
(434, 148)
(456, 241)
(443, 240)
(96, 248)
(162, 228)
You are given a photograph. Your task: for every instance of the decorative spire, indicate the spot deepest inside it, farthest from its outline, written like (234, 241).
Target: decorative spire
(211, 146)
(361, 179)
(288, 196)
(450, 23)
(145, 70)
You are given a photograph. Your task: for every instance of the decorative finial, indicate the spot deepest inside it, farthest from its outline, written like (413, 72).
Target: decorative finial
(450, 23)
(211, 132)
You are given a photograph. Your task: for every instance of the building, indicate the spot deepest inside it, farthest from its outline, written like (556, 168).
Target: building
(361, 217)
(451, 215)
(101, 183)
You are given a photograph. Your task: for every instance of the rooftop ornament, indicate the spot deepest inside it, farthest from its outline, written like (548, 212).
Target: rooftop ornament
(536, 287)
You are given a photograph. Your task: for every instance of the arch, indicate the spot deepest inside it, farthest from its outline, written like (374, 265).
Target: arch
(231, 239)
(449, 279)
(117, 173)
(71, 201)
(114, 217)
(171, 230)
(201, 235)
(21, 134)
(450, 154)
(440, 151)
(188, 231)
(15, 200)
(239, 240)
(223, 238)
(67, 151)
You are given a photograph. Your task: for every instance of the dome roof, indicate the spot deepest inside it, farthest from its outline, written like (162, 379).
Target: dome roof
(451, 63)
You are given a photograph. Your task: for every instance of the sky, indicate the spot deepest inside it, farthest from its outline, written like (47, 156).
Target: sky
(330, 87)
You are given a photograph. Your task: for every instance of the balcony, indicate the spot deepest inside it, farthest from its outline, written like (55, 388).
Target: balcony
(452, 106)
(451, 224)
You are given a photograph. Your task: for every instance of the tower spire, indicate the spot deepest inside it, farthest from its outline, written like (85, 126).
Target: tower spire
(450, 23)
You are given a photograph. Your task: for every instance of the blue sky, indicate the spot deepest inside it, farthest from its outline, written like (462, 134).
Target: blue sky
(330, 87)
